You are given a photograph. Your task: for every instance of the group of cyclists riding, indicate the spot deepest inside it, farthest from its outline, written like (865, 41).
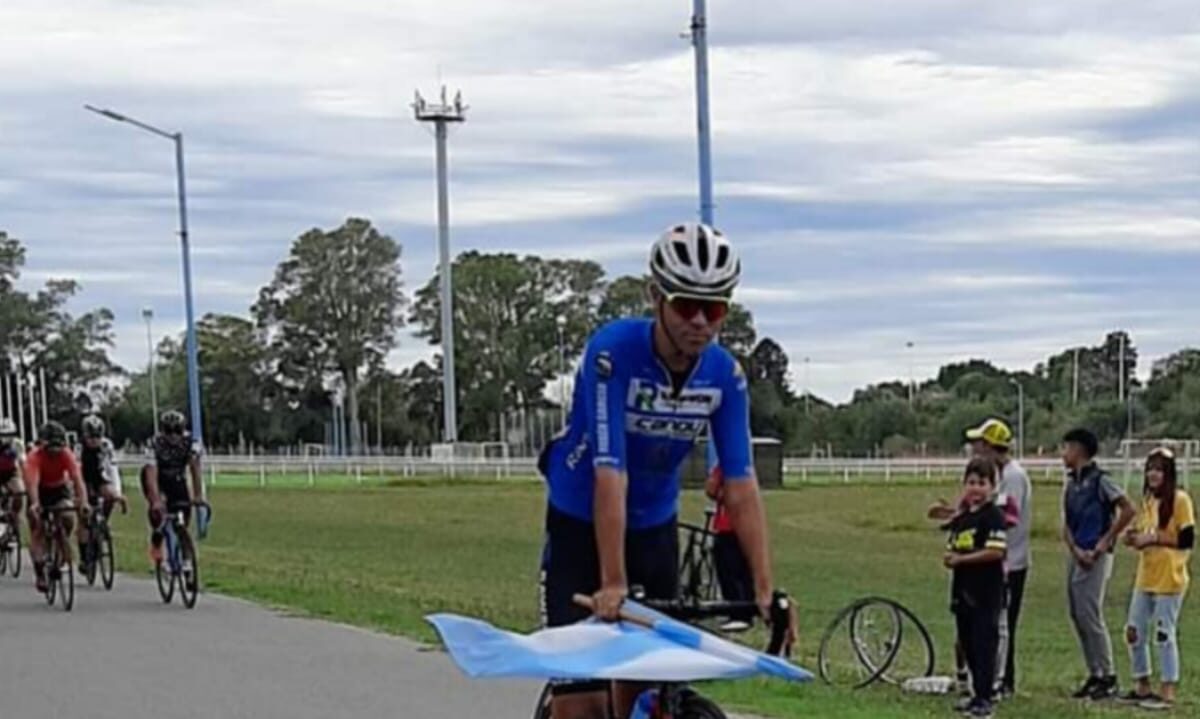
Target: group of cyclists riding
(53, 477)
(647, 390)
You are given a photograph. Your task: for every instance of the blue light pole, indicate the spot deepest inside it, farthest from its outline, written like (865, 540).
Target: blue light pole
(700, 44)
(193, 364)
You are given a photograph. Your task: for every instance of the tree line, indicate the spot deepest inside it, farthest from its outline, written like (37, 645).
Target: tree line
(322, 329)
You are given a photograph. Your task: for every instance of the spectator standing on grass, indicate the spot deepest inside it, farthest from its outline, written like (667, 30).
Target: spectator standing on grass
(1095, 512)
(975, 553)
(992, 440)
(1163, 536)
(733, 571)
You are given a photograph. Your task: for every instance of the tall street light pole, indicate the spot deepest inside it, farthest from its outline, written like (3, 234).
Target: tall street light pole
(193, 364)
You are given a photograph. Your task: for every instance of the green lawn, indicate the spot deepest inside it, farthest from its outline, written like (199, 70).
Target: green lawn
(384, 556)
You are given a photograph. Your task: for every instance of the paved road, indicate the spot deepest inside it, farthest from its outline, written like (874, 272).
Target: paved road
(125, 655)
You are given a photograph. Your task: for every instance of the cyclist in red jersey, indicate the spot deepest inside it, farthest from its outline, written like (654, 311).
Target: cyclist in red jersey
(52, 480)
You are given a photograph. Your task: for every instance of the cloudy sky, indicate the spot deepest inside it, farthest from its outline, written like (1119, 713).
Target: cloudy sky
(993, 178)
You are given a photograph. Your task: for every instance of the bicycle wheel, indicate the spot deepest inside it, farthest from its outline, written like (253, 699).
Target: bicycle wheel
(66, 578)
(106, 560)
(840, 658)
(5, 550)
(165, 579)
(876, 632)
(541, 710)
(14, 560)
(89, 566)
(52, 573)
(694, 706)
(915, 654)
(189, 573)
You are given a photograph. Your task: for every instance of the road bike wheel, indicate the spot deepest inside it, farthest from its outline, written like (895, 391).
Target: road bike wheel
(840, 659)
(694, 706)
(189, 575)
(5, 550)
(89, 565)
(14, 560)
(876, 633)
(915, 654)
(106, 560)
(541, 710)
(52, 573)
(165, 579)
(66, 578)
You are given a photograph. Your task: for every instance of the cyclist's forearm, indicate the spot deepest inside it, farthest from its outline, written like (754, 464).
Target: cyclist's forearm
(749, 521)
(609, 518)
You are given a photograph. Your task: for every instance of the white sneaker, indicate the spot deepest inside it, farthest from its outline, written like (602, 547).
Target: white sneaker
(734, 626)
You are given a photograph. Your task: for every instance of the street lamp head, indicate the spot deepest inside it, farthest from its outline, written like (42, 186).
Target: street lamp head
(147, 313)
(561, 321)
(106, 113)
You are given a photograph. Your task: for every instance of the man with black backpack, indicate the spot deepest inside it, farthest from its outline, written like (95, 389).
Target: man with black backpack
(1095, 513)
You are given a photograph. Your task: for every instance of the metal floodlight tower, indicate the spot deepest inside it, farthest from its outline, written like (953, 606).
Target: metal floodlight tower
(442, 114)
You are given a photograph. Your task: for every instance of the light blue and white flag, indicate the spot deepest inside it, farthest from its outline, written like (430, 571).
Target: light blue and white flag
(671, 651)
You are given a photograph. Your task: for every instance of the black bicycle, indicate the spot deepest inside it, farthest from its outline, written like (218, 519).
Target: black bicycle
(677, 700)
(697, 571)
(180, 566)
(60, 572)
(98, 552)
(10, 539)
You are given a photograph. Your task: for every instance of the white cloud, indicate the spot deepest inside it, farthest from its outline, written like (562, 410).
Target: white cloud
(890, 170)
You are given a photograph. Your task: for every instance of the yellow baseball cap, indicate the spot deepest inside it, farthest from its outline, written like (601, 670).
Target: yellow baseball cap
(993, 431)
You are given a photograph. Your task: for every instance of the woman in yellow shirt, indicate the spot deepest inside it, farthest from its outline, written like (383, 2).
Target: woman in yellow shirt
(1164, 534)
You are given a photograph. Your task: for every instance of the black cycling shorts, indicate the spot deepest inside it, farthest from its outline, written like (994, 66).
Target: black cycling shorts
(571, 565)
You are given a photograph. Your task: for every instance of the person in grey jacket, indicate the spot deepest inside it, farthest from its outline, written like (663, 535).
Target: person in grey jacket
(1095, 513)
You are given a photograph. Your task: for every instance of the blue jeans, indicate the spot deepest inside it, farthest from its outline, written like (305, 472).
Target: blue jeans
(1161, 610)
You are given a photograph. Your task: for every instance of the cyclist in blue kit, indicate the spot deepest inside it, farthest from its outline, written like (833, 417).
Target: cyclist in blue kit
(645, 391)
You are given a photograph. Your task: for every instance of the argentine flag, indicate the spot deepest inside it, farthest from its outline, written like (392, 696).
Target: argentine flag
(670, 651)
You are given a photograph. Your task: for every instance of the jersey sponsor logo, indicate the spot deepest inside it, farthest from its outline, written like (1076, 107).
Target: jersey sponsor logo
(602, 417)
(577, 451)
(646, 396)
(604, 365)
(688, 428)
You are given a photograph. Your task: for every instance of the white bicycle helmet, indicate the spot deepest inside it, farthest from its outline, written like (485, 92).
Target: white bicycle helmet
(695, 260)
(93, 427)
(8, 428)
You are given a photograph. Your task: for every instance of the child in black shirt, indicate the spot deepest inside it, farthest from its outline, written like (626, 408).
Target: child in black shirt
(975, 553)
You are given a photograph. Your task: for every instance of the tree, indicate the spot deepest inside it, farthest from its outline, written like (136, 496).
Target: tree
(334, 306)
(624, 297)
(506, 341)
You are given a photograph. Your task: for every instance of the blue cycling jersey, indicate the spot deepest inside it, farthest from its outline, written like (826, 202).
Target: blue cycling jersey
(626, 415)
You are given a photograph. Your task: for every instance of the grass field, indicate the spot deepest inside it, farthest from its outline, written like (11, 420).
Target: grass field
(384, 556)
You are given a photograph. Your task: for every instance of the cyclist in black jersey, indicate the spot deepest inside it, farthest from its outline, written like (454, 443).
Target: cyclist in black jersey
(98, 466)
(164, 479)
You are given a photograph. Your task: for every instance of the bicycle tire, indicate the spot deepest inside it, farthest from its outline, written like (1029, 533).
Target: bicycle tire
(823, 652)
(892, 644)
(89, 567)
(695, 706)
(189, 582)
(926, 667)
(541, 710)
(4, 552)
(165, 579)
(66, 579)
(14, 565)
(53, 570)
(106, 559)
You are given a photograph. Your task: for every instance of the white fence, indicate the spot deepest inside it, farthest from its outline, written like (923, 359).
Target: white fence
(266, 470)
